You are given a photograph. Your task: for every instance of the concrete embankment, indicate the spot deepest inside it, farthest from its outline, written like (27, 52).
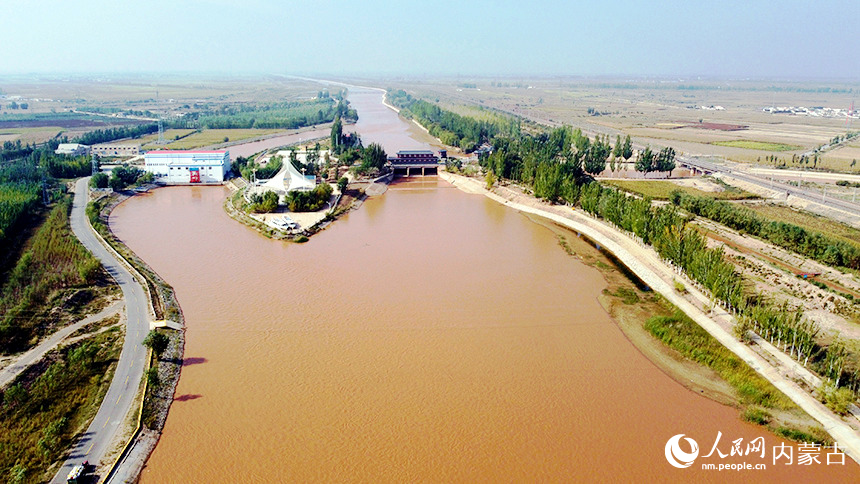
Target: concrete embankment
(643, 261)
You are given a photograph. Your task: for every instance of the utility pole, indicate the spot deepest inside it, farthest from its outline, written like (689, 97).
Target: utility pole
(160, 130)
(45, 190)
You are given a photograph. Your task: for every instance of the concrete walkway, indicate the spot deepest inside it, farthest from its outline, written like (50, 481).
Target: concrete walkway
(8, 374)
(658, 275)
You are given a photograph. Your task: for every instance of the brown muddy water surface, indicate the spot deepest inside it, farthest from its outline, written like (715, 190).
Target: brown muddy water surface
(431, 335)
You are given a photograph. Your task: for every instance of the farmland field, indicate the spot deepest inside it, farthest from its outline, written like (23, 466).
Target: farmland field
(842, 158)
(30, 135)
(207, 137)
(661, 189)
(662, 113)
(757, 145)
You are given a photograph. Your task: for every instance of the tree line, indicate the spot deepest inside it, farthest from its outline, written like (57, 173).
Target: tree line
(285, 115)
(121, 177)
(112, 134)
(815, 245)
(27, 170)
(309, 201)
(23, 180)
(15, 150)
(553, 165)
(451, 128)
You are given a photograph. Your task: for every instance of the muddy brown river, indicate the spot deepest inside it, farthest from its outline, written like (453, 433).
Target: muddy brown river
(431, 336)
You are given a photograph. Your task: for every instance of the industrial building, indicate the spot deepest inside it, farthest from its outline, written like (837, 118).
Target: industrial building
(73, 149)
(181, 167)
(116, 150)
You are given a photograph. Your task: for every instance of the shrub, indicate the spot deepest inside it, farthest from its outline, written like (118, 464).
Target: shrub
(757, 415)
(836, 399)
(99, 180)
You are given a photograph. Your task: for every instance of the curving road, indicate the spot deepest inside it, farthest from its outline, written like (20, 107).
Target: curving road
(120, 398)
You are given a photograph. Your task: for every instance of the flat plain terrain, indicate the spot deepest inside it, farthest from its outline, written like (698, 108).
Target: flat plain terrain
(187, 139)
(670, 112)
(171, 96)
(661, 189)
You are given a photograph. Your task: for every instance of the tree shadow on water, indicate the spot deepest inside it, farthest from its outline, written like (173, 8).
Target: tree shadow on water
(194, 360)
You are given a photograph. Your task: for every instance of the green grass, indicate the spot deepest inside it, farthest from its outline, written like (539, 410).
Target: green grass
(148, 141)
(52, 267)
(209, 137)
(812, 435)
(757, 145)
(757, 415)
(20, 131)
(562, 241)
(809, 221)
(626, 294)
(688, 338)
(661, 189)
(47, 406)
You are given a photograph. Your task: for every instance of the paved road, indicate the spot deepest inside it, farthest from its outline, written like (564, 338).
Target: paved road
(96, 441)
(24, 361)
(804, 194)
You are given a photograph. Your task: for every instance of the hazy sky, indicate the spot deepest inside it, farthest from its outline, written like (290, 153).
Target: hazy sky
(781, 39)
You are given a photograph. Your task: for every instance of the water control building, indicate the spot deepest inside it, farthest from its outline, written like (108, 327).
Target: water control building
(415, 162)
(181, 167)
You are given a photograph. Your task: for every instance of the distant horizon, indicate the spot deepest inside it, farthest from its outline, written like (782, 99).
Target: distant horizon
(216, 75)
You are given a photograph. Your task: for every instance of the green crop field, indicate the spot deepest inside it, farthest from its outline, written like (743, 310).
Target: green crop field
(661, 189)
(757, 145)
(206, 137)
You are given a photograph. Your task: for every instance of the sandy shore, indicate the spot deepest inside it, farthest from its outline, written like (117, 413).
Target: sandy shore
(651, 269)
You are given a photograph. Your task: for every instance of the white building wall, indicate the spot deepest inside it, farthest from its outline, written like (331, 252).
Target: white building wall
(74, 149)
(177, 166)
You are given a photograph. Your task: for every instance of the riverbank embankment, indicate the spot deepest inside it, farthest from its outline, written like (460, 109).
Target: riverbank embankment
(646, 264)
(144, 427)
